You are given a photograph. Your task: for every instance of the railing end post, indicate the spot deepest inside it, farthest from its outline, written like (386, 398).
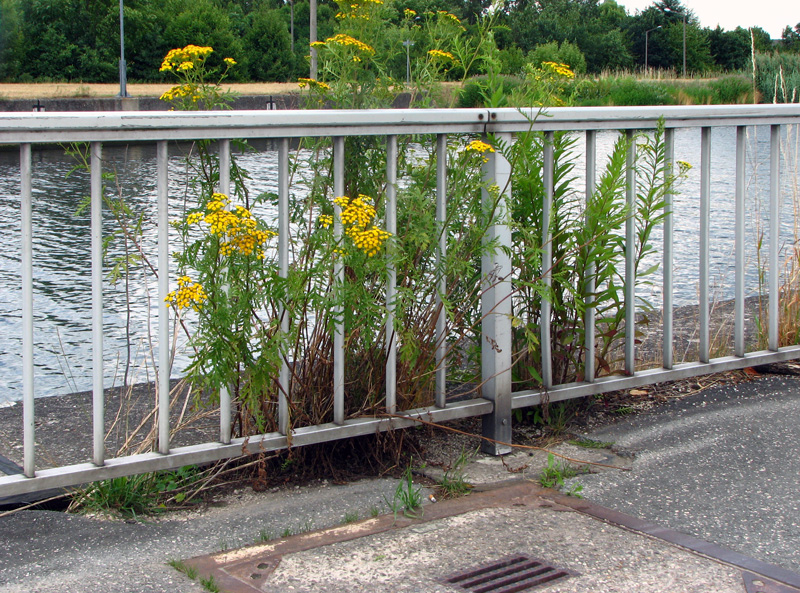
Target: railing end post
(496, 428)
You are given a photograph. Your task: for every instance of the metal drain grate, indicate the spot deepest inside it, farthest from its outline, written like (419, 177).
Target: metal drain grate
(508, 575)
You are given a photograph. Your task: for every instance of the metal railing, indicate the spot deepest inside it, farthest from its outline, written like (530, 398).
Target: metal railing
(497, 397)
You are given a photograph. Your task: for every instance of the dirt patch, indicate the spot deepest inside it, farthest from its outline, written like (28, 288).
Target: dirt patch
(75, 90)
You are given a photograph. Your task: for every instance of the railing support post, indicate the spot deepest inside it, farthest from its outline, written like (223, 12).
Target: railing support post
(496, 302)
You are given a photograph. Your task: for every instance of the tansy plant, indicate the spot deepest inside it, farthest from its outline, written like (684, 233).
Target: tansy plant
(195, 89)
(342, 254)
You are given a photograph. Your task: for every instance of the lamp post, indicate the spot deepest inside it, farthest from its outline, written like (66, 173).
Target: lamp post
(408, 43)
(646, 33)
(123, 68)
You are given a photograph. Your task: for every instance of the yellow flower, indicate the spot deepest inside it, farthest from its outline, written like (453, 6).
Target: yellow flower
(479, 146)
(313, 84)
(438, 54)
(189, 294)
(230, 62)
(357, 215)
(559, 69)
(409, 13)
(347, 41)
(178, 58)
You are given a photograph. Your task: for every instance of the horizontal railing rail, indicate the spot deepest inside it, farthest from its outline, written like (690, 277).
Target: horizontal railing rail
(497, 398)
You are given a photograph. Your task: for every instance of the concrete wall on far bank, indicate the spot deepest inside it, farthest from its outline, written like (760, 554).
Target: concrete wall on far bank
(244, 102)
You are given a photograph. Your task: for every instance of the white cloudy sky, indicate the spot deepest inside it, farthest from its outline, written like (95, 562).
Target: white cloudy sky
(770, 15)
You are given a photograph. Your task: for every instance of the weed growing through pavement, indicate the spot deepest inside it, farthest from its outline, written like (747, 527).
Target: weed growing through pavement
(350, 517)
(265, 535)
(182, 567)
(454, 482)
(407, 498)
(556, 472)
(210, 584)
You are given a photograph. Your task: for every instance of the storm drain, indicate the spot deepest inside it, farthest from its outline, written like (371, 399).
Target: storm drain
(508, 575)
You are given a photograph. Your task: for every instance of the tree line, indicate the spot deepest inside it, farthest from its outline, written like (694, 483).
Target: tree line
(78, 40)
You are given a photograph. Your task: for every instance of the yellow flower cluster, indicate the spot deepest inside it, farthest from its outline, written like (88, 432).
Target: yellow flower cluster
(438, 54)
(312, 84)
(449, 16)
(357, 215)
(189, 294)
(358, 212)
(182, 91)
(325, 220)
(177, 59)
(368, 240)
(559, 69)
(345, 41)
(409, 13)
(479, 146)
(237, 228)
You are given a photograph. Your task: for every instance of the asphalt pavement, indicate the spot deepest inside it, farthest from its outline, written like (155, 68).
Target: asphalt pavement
(706, 500)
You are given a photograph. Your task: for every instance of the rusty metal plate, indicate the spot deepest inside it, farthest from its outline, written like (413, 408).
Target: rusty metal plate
(754, 583)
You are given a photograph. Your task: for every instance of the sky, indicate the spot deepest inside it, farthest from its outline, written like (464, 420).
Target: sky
(770, 15)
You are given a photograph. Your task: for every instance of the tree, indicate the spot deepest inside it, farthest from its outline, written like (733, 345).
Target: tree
(790, 38)
(202, 22)
(269, 46)
(729, 49)
(11, 39)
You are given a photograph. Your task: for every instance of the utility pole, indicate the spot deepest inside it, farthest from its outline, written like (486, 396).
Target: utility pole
(683, 16)
(123, 68)
(684, 43)
(313, 38)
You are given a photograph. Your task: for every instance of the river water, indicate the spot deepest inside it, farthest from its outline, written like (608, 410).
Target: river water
(62, 269)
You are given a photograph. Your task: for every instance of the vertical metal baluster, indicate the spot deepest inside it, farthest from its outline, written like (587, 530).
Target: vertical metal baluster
(547, 261)
(224, 392)
(630, 259)
(590, 314)
(496, 303)
(441, 218)
(28, 416)
(705, 221)
(741, 142)
(284, 390)
(391, 281)
(774, 232)
(667, 287)
(162, 191)
(338, 274)
(98, 402)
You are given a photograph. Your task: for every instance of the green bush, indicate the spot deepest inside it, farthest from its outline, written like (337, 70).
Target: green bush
(566, 53)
